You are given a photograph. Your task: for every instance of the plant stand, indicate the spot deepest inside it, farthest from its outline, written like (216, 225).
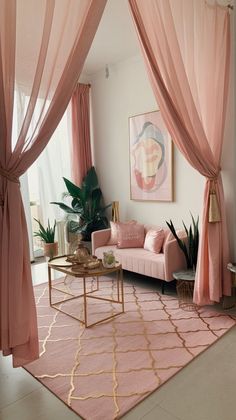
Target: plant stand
(184, 287)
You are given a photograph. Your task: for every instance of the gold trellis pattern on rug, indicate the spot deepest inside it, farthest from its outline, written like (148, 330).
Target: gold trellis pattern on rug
(104, 371)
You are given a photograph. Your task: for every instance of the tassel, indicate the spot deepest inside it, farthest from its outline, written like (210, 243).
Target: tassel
(214, 211)
(115, 211)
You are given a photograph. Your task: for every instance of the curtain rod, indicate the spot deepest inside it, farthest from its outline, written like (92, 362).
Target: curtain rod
(230, 6)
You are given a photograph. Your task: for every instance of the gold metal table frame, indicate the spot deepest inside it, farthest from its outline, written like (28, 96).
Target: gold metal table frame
(83, 275)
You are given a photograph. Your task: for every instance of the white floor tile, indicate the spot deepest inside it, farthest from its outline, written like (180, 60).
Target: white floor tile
(142, 408)
(14, 383)
(204, 390)
(158, 413)
(39, 405)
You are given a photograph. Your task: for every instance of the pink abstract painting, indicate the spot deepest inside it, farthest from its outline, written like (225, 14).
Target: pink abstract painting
(150, 158)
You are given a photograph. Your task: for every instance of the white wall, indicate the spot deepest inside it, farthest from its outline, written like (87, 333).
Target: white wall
(125, 93)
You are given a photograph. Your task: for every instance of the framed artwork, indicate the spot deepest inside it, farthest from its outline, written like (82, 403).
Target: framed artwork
(150, 158)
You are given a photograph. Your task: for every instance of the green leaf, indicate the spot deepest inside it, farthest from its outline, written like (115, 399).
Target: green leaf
(74, 226)
(46, 234)
(73, 190)
(90, 180)
(185, 228)
(64, 207)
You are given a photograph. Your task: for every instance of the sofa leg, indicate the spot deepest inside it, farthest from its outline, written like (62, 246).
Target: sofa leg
(163, 287)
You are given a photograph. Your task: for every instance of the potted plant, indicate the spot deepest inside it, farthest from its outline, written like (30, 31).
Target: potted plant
(86, 206)
(189, 246)
(47, 235)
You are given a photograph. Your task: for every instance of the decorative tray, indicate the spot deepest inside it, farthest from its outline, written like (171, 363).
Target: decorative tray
(91, 263)
(82, 260)
(61, 262)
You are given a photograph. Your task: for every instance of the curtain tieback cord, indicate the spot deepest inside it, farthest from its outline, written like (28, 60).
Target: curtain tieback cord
(9, 176)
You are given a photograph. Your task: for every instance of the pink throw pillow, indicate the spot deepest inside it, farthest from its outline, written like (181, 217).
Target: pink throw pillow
(130, 235)
(113, 238)
(154, 240)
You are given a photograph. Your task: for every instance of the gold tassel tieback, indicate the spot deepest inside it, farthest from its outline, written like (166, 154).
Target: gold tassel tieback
(214, 210)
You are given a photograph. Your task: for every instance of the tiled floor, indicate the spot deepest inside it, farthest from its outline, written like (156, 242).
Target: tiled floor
(203, 390)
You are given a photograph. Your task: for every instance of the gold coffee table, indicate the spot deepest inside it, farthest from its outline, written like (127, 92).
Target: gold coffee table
(62, 265)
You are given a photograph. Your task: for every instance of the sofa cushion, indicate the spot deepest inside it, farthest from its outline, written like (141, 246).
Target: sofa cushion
(130, 235)
(114, 226)
(138, 260)
(113, 237)
(154, 240)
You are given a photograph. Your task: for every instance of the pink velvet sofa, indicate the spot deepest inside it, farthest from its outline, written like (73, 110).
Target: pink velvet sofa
(159, 266)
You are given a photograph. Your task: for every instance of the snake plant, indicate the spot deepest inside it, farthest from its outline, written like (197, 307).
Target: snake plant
(189, 247)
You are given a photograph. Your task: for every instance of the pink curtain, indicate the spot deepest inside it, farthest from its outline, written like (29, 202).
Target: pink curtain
(43, 46)
(81, 156)
(186, 46)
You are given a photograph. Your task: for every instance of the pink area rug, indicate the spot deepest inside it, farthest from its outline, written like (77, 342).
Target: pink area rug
(104, 371)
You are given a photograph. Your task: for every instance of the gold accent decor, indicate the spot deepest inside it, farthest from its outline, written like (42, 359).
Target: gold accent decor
(92, 264)
(82, 252)
(185, 294)
(115, 211)
(185, 287)
(214, 211)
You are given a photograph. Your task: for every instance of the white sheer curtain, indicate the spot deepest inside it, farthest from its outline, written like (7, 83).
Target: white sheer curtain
(26, 202)
(51, 166)
(20, 103)
(43, 181)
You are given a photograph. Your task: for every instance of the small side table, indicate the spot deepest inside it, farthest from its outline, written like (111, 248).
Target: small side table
(184, 287)
(232, 268)
(230, 302)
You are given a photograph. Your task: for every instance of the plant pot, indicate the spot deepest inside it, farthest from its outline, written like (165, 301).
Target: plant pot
(50, 249)
(109, 260)
(106, 265)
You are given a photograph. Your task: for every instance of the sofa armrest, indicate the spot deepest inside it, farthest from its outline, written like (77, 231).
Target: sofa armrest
(100, 238)
(174, 258)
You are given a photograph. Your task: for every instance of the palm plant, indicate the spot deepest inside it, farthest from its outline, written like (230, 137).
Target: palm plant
(86, 205)
(46, 234)
(189, 248)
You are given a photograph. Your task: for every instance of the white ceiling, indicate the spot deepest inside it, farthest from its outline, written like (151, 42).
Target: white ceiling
(116, 37)
(115, 40)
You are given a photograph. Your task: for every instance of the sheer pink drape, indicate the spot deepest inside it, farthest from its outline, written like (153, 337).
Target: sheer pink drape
(186, 47)
(43, 46)
(81, 156)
